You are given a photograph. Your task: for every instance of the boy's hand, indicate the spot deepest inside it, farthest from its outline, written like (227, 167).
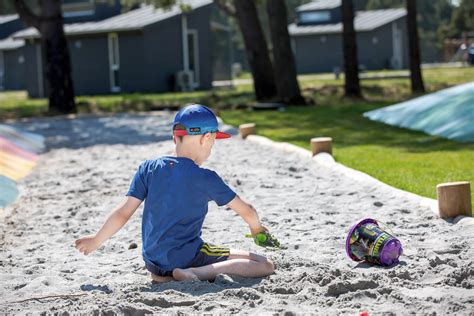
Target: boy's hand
(259, 233)
(87, 244)
(117, 218)
(265, 239)
(258, 229)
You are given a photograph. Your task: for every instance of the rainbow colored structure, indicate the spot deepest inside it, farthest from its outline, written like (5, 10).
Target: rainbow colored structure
(18, 155)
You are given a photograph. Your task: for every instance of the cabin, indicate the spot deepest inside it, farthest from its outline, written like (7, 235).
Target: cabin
(316, 38)
(12, 55)
(145, 50)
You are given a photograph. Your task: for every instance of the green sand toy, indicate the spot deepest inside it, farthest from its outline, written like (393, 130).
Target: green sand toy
(265, 239)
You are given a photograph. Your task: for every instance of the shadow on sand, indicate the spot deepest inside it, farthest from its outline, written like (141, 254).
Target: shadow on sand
(365, 265)
(122, 128)
(197, 288)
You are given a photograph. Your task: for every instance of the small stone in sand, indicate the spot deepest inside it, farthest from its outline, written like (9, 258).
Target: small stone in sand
(91, 287)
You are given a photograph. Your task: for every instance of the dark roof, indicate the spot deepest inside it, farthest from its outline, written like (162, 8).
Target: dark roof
(319, 5)
(364, 21)
(133, 20)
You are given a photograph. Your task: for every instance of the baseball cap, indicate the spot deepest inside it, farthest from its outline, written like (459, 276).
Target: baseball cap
(198, 119)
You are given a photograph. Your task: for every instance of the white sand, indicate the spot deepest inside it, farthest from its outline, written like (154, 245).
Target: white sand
(310, 208)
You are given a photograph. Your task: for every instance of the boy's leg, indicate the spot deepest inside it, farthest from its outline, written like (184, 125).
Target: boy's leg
(161, 279)
(241, 263)
(242, 254)
(157, 274)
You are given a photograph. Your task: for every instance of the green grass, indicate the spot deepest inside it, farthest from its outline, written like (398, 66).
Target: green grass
(16, 104)
(408, 160)
(323, 88)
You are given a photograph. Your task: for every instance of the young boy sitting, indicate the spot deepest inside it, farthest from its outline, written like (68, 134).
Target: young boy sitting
(176, 192)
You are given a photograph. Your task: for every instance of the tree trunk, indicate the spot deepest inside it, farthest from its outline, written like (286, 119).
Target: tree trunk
(284, 64)
(414, 49)
(57, 61)
(351, 64)
(256, 49)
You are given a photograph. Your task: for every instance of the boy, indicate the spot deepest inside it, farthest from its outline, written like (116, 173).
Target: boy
(176, 192)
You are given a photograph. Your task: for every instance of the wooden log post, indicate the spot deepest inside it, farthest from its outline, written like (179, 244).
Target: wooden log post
(321, 145)
(454, 198)
(247, 129)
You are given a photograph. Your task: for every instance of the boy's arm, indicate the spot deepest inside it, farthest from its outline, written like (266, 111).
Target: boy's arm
(248, 214)
(117, 218)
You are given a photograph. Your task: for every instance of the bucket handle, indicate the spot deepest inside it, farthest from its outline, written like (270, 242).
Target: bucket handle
(386, 226)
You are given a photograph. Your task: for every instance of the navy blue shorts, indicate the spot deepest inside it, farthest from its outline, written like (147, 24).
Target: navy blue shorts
(208, 254)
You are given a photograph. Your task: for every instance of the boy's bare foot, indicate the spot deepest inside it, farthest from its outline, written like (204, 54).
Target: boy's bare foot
(184, 274)
(161, 279)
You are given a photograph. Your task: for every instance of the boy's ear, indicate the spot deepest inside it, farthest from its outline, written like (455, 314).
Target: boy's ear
(204, 137)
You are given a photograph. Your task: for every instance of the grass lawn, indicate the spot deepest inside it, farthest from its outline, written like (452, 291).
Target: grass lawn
(408, 160)
(16, 104)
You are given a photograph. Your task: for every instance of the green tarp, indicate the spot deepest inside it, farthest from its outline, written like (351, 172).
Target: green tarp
(447, 113)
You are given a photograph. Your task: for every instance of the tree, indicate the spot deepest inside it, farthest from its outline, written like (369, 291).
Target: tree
(283, 60)
(49, 23)
(414, 49)
(351, 64)
(463, 17)
(256, 48)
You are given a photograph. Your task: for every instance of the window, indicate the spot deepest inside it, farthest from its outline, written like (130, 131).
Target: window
(314, 17)
(193, 55)
(76, 8)
(78, 13)
(114, 62)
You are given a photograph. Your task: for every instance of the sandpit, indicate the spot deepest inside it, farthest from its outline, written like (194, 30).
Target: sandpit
(309, 207)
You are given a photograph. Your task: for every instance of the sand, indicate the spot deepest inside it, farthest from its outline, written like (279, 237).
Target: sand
(87, 170)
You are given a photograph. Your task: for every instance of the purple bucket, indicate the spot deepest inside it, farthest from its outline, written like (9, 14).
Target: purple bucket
(367, 241)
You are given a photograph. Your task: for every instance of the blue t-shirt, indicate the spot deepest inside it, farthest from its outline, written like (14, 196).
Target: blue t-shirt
(176, 193)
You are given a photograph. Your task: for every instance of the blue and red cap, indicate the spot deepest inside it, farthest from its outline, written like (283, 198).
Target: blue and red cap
(198, 119)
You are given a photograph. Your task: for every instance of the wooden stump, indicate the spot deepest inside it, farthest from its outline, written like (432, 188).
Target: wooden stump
(454, 198)
(247, 129)
(321, 145)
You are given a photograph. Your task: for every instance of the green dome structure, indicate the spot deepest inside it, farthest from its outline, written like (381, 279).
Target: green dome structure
(448, 113)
